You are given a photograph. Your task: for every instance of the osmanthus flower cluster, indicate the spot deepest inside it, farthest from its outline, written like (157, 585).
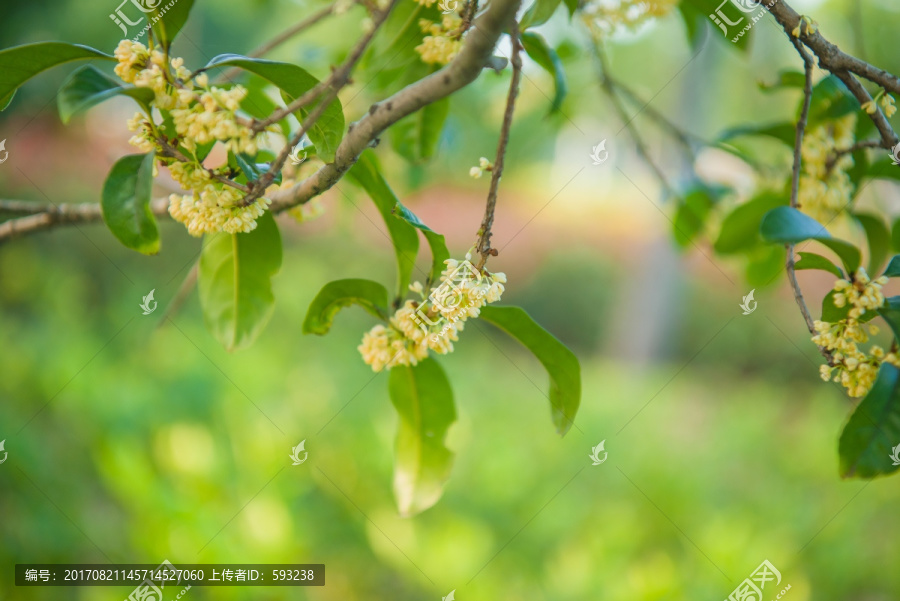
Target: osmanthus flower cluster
(825, 186)
(443, 40)
(434, 321)
(608, 15)
(855, 369)
(202, 114)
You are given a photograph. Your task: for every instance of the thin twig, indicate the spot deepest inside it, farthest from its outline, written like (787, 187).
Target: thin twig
(483, 246)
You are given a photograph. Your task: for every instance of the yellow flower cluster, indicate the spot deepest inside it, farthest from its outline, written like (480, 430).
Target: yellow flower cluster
(201, 114)
(887, 103)
(826, 189)
(442, 43)
(416, 327)
(483, 165)
(854, 369)
(608, 15)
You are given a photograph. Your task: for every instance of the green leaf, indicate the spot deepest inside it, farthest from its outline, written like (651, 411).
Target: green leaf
(4, 103)
(235, 281)
(367, 175)
(690, 217)
(20, 63)
(572, 5)
(891, 314)
(784, 132)
(538, 13)
(895, 236)
(423, 398)
(439, 251)
(416, 136)
(883, 168)
(832, 313)
(557, 359)
(740, 228)
(328, 130)
(867, 441)
(879, 239)
(334, 296)
(786, 79)
(89, 86)
(893, 267)
(830, 100)
(814, 261)
(537, 48)
(251, 169)
(125, 203)
(169, 19)
(789, 226)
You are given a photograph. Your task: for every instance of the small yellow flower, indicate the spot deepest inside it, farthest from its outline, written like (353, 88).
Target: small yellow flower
(870, 107)
(887, 103)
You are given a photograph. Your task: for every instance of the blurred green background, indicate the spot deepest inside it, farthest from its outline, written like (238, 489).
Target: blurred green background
(134, 439)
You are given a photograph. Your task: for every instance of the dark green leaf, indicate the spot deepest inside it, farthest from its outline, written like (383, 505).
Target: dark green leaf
(814, 261)
(538, 13)
(572, 5)
(893, 267)
(557, 359)
(740, 229)
(125, 203)
(294, 81)
(541, 52)
(89, 86)
(830, 100)
(167, 20)
(879, 239)
(873, 430)
(436, 242)
(367, 175)
(416, 136)
(784, 132)
(883, 168)
(423, 398)
(789, 226)
(785, 79)
(20, 63)
(895, 236)
(235, 281)
(371, 296)
(891, 314)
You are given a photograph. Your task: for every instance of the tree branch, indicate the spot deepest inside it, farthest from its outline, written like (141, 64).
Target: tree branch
(483, 246)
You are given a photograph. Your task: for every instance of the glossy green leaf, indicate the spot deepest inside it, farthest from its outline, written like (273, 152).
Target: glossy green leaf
(436, 242)
(789, 226)
(740, 228)
(169, 19)
(423, 398)
(814, 261)
(334, 296)
(416, 136)
(328, 130)
(557, 359)
(235, 281)
(830, 100)
(572, 6)
(540, 51)
(367, 175)
(893, 267)
(20, 63)
(88, 86)
(125, 203)
(538, 13)
(879, 239)
(867, 442)
(832, 313)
